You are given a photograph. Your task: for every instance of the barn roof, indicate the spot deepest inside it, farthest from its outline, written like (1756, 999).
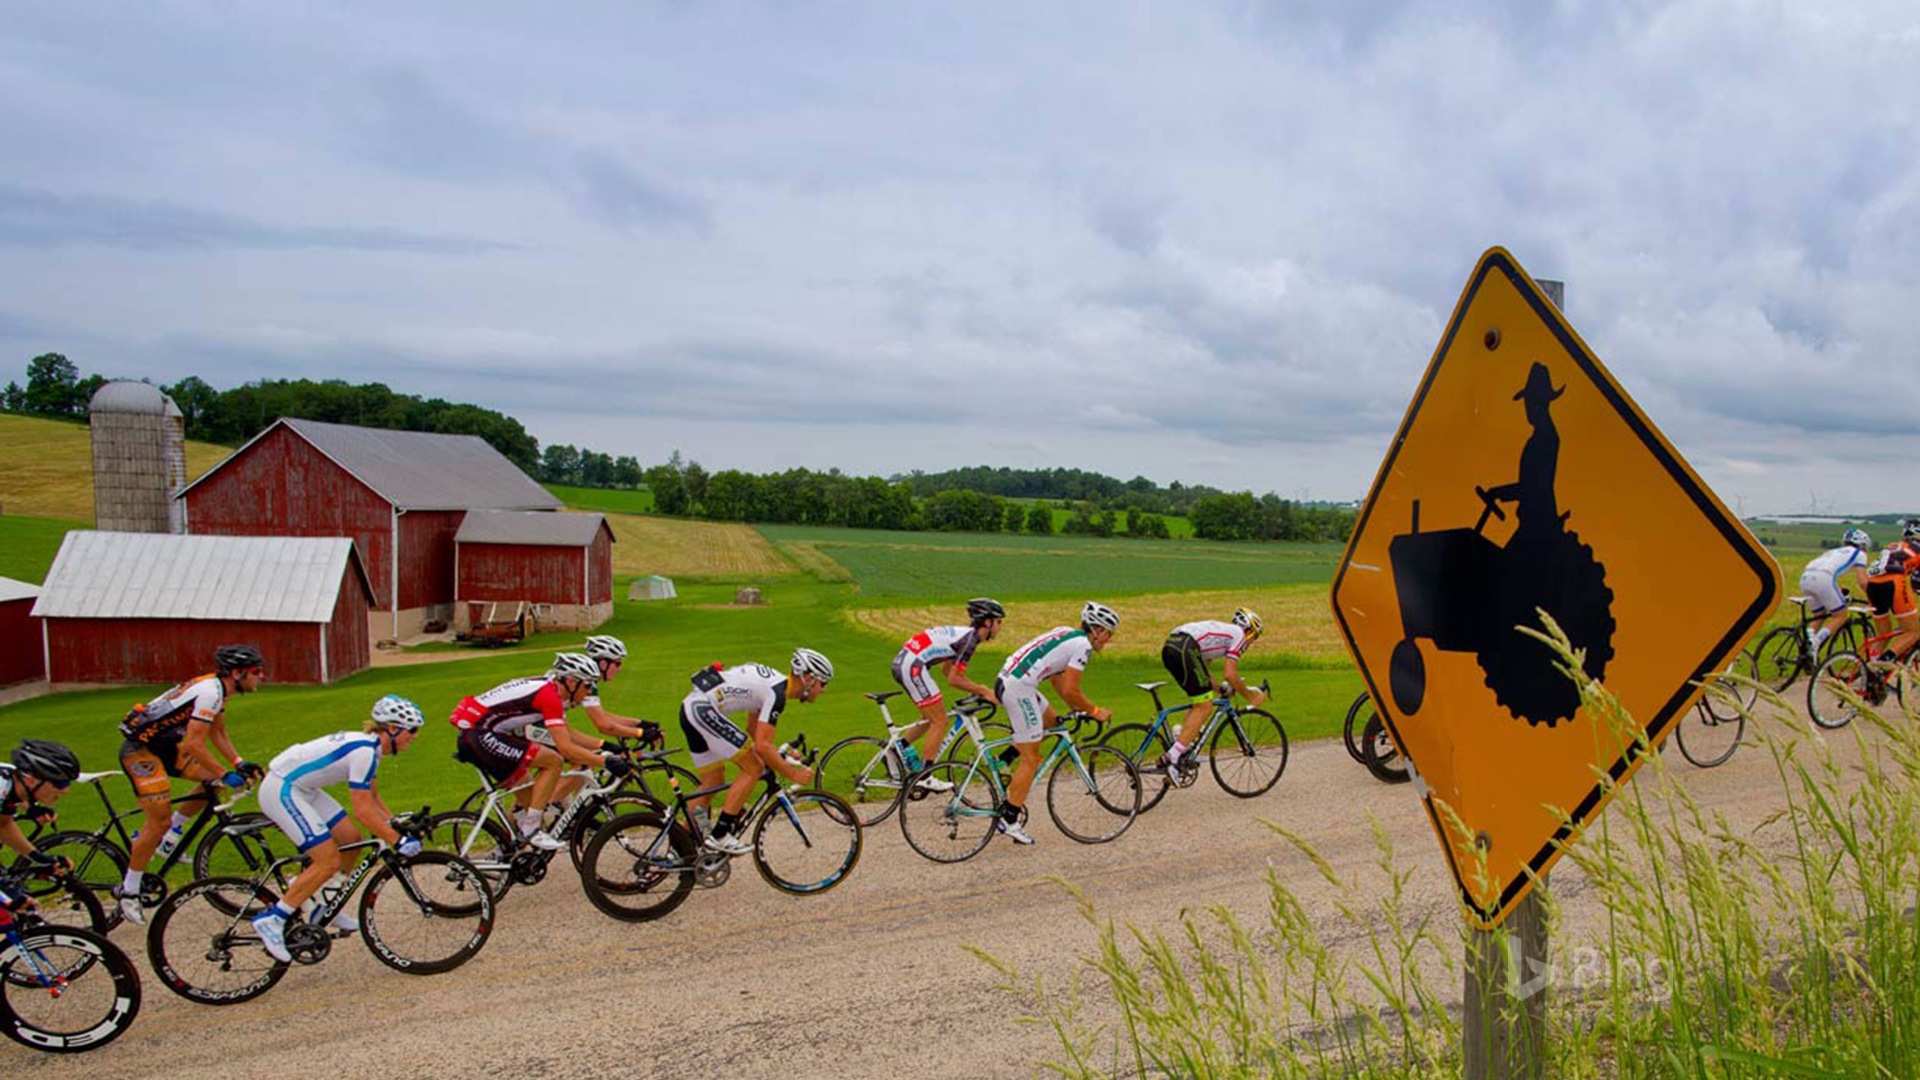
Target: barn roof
(418, 470)
(111, 575)
(16, 590)
(535, 528)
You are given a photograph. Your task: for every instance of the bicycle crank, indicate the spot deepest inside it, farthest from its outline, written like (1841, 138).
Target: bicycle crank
(529, 867)
(711, 869)
(307, 943)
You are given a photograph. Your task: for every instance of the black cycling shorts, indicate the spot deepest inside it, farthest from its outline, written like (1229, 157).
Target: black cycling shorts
(1184, 661)
(503, 757)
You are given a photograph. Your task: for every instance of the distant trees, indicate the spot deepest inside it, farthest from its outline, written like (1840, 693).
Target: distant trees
(1242, 517)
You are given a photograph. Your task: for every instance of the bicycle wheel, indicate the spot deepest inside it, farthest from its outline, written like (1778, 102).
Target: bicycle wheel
(484, 844)
(657, 777)
(604, 809)
(1706, 738)
(858, 770)
(1098, 804)
(638, 867)
(69, 903)
(1248, 752)
(1781, 657)
(1356, 723)
(1381, 755)
(1839, 685)
(98, 989)
(952, 826)
(242, 849)
(807, 842)
(1727, 699)
(98, 863)
(202, 945)
(1849, 638)
(427, 914)
(1139, 745)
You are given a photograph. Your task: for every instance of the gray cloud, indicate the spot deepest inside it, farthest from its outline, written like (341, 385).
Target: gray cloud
(619, 195)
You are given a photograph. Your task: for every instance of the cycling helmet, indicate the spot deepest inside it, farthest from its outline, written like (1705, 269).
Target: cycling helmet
(238, 658)
(1858, 538)
(397, 712)
(1100, 615)
(1249, 620)
(49, 761)
(606, 647)
(808, 662)
(1910, 529)
(983, 608)
(573, 665)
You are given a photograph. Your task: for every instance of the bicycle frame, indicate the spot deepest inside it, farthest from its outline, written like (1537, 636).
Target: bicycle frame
(1223, 711)
(957, 724)
(590, 788)
(1063, 747)
(114, 828)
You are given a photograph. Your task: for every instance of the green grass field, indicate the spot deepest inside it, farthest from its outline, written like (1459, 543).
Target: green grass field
(28, 545)
(605, 500)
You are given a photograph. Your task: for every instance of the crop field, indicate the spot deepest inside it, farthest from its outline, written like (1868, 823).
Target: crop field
(49, 471)
(692, 549)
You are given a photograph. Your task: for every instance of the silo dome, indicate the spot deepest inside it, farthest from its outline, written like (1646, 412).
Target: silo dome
(129, 396)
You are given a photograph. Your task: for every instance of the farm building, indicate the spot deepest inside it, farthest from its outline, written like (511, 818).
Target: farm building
(560, 565)
(399, 495)
(22, 654)
(151, 607)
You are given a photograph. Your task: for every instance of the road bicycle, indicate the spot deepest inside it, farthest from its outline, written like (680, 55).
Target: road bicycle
(1710, 732)
(1093, 794)
(423, 915)
(870, 773)
(642, 865)
(1358, 714)
(1847, 680)
(63, 989)
(1246, 747)
(228, 843)
(1786, 652)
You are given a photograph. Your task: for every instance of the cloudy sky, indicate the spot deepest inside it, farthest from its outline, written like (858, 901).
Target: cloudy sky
(1206, 241)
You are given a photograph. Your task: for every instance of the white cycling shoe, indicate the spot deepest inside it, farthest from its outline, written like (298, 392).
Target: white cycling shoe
(727, 845)
(1012, 831)
(270, 927)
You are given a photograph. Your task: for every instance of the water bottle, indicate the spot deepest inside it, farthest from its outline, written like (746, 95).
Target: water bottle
(910, 755)
(168, 841)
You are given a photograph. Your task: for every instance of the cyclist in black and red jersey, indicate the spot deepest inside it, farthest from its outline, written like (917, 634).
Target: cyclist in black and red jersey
(948, 649)
(183, 733)
(32, 780)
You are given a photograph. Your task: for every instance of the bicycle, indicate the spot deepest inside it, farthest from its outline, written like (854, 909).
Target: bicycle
(1846, 680)
(422, 915)
(1786, 652)
(1711, 731)
(642, 865)
(1246, 748)
(1351, 732)
(1102, 783)
(63, 989)
(870, 772)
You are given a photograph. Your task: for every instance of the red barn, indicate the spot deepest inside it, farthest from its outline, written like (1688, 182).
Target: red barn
(22, 654)
(561, 564)
(399, 495)
(152, 607)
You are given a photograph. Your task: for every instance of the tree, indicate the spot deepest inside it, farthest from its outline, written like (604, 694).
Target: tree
(1016, 517)
(1227, 517)
(13, 398)
(1040, 520)
(669, 491)
(560, 464)
(51, 383)
(195, 399)
(626, 471)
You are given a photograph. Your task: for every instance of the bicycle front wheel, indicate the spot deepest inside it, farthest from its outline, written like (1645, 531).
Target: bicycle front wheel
(428, 915)
(1839, 686)
(1381, 755)
(1097, 799)
(1707, 739)
(1781, 657)
(482, 842)
(201, 942)
(856, 769)
(952, 826)
(1731, 694)
(1357, 714)
(638, 867)
(1248, 753)
(604, 809)
(807, 842)
(64, 989)
(70, 903)
(99, 864)
(1138, 744)
(657, 778)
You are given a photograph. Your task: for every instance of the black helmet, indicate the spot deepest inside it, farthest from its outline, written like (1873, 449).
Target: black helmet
(50, 761)
(238, 657)
(983, 608)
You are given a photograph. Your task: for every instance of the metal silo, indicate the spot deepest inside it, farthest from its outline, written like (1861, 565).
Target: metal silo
(139, 459)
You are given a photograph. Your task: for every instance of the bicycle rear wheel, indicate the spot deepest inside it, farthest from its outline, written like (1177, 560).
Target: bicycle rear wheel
(1357, 714)
(69, 903)
(482, 842)
(242, 848)
(952, 826)
(638, 867)
(201, 942)
(604, 809)
(1838, 688)
(1707, 739)
(807, 842)
(427, 915)
(1096, 805)
(858, 770)
(1728, 698)
(98, 989)
(1248, 752)
(1781, 657)
(1381, 755)
(1138, 743)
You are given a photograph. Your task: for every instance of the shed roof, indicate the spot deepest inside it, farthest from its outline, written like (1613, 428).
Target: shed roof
(17, 590)
(418, 470)
(111, 575)
(530, 527)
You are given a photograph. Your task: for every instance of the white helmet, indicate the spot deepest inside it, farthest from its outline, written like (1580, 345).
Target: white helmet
(573, 665)
(1249, 620)
(1100, 615)
(606, 647)
(397, 712)
(1857, 538)
(811, 663)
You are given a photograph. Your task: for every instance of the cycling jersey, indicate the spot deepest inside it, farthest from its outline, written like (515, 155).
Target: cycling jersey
(755, 689)
(510, 707)
(291, 793)
(202, 699)
(1216, 639)
(1821, 579)
(938, 644)
(1898, 557)
(11, 797)
(1062, 648)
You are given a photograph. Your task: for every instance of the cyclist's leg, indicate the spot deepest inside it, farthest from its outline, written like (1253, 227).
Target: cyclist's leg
(318, 828)
(1029, 714)
(1183, 660)
(1826, 610)
(712, 741)
(917, 681)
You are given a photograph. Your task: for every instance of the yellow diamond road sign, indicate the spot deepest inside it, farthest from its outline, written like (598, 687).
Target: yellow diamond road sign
(1524, 479)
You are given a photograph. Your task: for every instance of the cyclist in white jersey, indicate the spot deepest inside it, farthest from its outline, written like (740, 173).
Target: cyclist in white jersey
(294, 796)
(949, 649)
(608, 653)
(762, 693)
(1821, 583)
(1058, 656)
(1185, 655)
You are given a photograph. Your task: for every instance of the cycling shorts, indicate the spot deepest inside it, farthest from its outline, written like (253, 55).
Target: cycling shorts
(710, 735)
(1819, 588)
(1187, 664)
(916, 679)
(149, 764)
(306, 815)
(1026, 710)
(504, 758)
(1891, 595)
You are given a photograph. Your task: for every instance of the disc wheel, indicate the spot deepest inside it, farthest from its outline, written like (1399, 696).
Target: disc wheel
(858, 770)
(1141, 746)
(1248, 752)
(638, 867)
(807, 842)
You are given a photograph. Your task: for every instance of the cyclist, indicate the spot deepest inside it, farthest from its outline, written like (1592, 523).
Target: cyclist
(294, 795)
(948, 648)
(37, 774)
(183, 733)
(496, 731)
(607, 653)
(762, 693)
(1891, 593)
(1186, 653)
(1821, 584)
(1058, 656)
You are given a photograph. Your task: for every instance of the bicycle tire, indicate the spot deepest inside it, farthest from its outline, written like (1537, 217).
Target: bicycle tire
(1103, 803)
(209, 955)
(1350, 733)
(1841, 683)
(809, 844)
(453, 905)
(1137, 743)
(603, 809)
(1727, 699)
(1384, 760)
(484, 844)
(638, 867)
(952, 826)
(98, 863)
(1714, 738)
(964, 748)
(1255, 757)
(224, 852)
(858, 770)
(653, 775)
(1781, 657)
(70, 903)
(1850, 637)
(100, 1001)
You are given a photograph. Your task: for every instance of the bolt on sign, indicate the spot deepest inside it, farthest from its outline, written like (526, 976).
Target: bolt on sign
(1524, 479)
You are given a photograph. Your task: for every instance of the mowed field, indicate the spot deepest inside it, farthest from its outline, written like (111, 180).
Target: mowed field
(49, 471)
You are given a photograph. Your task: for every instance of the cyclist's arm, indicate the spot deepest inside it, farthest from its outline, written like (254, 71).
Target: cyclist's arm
(761, 736)
(570, 749)
(369, 810)
(608, 723)
(956, 673)
(1230, 673)
(196, 757)
(12, 836)
(1068, 683)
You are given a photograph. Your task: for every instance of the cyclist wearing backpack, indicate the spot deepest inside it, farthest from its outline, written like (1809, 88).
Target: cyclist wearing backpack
(762, 693)
(1058, 656)
(1185, 656)
(949, 649)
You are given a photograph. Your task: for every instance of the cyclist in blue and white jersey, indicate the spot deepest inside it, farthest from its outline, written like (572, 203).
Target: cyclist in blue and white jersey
(294, 796)
(762, 693)
(948, 649)
(1821, 583)
(1185, 656)
(1058, 656)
